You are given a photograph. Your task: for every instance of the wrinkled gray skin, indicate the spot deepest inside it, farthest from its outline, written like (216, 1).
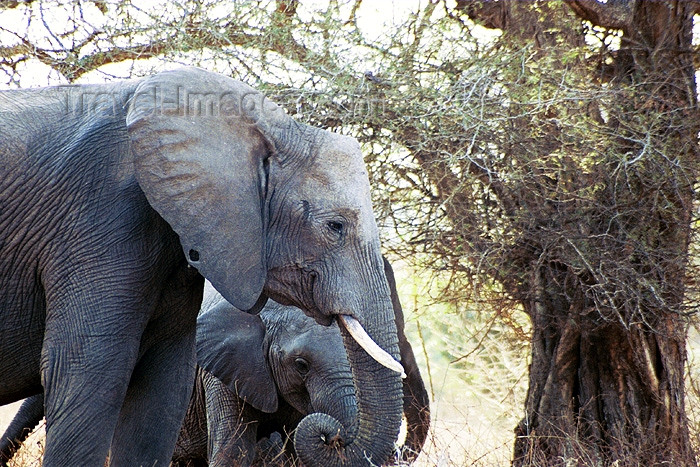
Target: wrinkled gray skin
(284, 365)
(117, 200)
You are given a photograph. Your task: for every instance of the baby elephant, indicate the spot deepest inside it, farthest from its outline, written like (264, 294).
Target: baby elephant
(259, 376)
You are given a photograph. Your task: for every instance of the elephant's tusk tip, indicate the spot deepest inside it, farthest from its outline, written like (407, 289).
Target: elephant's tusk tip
(372, 348)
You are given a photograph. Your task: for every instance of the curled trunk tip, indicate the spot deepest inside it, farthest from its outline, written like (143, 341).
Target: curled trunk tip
(325, 435)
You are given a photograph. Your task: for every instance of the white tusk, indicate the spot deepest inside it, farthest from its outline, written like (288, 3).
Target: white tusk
(361, 337)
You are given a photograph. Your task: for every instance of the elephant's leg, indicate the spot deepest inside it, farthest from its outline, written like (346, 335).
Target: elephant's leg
(86, 367)
(98, 311)
(162, 382)
(191, 446)
(416, 403)
(157, 398)
(27, 418)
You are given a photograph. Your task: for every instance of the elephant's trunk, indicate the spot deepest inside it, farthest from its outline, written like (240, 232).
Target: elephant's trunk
(337, 399)
(320, 440)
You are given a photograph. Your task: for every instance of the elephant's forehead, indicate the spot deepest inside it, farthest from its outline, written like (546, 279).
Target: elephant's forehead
(304, 331)
(339, 171)
(342, 153)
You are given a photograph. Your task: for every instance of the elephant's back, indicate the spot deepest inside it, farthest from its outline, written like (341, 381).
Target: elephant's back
(65, 163)
(53, 141)
(35, 122)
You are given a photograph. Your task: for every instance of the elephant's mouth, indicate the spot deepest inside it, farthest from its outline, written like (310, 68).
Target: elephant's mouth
(360, 336)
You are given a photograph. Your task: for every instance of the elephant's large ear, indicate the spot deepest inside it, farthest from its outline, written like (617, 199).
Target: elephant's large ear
(199, 145)
(230, 346)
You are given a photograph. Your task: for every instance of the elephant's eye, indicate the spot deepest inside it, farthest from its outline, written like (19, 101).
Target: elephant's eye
(336, 227)
(302, 366)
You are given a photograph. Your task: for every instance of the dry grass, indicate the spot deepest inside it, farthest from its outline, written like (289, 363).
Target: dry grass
(32, 449)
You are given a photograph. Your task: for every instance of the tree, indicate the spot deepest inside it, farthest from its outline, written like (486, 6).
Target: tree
(551, 167)
(606, 290)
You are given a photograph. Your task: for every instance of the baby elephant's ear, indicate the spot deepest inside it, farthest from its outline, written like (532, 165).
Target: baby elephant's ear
(230, 346)
(199, 158)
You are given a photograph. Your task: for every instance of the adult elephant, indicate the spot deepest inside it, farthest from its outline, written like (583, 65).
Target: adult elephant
(116, 200)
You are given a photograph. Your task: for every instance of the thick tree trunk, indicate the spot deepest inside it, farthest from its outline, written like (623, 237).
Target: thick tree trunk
(600, 392)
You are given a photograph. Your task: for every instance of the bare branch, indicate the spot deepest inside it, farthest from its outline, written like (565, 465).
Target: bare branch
(9, 4)
(696, 6)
